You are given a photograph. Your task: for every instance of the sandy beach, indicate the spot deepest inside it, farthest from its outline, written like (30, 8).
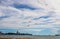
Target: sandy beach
(29, 37)
(16, 38)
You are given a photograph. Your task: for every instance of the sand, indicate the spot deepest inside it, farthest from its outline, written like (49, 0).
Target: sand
(28, 37)
(16, 38)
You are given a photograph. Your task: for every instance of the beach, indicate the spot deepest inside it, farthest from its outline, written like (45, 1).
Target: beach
(28, 37)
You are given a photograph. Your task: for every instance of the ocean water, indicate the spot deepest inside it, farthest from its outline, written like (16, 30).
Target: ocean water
(27, 36)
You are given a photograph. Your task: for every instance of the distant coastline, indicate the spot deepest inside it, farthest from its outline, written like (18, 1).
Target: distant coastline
(17, 33)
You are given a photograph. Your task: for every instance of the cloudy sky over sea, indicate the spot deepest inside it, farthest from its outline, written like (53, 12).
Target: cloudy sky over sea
(38, 17)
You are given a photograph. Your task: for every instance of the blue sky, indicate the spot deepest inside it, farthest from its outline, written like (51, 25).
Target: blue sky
(38, 17)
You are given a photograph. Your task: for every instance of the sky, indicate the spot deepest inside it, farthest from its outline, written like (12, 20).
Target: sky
(37, 17)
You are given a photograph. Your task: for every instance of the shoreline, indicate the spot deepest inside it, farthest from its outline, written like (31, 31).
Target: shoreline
(16, 38)
(27, 37)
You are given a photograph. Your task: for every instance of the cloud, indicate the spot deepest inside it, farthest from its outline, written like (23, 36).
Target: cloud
(30, 14)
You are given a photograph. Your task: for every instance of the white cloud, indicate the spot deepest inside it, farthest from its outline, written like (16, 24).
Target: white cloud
(23, 18)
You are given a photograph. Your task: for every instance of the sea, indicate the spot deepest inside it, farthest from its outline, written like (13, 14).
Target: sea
(27, 36)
